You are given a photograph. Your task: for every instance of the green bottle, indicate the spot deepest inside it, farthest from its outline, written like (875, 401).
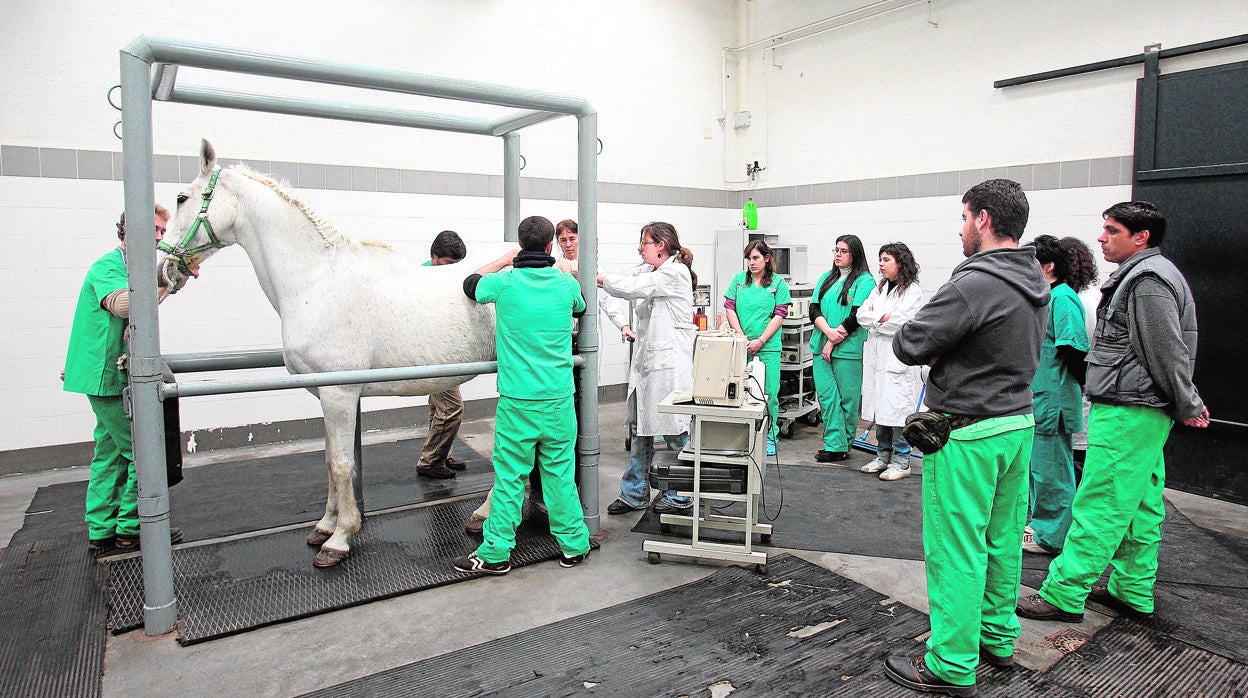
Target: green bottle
(749, 214)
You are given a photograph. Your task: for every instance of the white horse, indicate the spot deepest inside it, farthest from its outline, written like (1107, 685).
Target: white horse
(344, 304)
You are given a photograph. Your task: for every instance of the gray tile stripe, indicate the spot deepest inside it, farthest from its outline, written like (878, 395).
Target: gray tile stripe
(24, 161)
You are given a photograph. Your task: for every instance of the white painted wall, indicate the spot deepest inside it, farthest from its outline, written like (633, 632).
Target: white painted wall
(897, 95)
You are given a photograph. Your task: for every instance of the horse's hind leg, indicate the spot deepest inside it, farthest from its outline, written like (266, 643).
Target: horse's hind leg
(340, 406)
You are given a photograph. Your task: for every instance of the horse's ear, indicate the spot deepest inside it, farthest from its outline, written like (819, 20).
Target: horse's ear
(207, 156)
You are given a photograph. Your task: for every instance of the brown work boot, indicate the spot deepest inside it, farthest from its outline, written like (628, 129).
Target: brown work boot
(1035, 607)
(438, 472)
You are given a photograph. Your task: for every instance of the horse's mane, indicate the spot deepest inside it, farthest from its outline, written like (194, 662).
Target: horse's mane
(330, 234)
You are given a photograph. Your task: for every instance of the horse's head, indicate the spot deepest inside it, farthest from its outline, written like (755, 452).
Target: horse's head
(203, 222)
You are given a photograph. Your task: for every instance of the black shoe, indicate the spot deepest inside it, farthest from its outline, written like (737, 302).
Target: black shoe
(996, 660)
(101, 546)
(565, 561)
(620, 506)
(439, 472)
(472, 563)
(664, 506)
(454, 463)
(913, 673)
(1036, 608)
(130, 543)
(1100, 594)
(831, 456)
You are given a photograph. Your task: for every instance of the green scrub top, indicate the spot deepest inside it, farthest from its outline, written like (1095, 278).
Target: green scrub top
(533, 310)
(95, 339)
(1058, 395)
(757, 305)
(835, 314)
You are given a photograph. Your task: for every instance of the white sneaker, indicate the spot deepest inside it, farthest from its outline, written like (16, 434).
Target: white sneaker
(1030, 545)
(895, 472)
(874, 466)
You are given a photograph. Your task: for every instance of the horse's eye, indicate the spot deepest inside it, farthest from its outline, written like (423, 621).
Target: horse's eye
(181, 199)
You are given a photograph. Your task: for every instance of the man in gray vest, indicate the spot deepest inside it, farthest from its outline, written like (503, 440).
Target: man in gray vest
(1140, 383)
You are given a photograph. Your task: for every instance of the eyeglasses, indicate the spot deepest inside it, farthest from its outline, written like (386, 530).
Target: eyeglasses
(842, 250)
(648, 242)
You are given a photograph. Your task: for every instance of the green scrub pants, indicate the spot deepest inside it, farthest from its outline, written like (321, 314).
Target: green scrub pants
(525, 432)
(1052, 488)
(771, 361)
(974, 506)
(1117, 511)
(838, 385)
(112, 488)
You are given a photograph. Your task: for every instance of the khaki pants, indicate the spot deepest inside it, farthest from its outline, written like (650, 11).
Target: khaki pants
(446, 413)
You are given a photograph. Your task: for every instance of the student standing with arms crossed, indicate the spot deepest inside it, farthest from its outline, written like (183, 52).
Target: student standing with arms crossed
(838, 344)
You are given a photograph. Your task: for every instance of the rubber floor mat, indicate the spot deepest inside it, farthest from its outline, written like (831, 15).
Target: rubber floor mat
(228, 587)
(52, 634)
(800, 630)
(831, 509)
(225, 499)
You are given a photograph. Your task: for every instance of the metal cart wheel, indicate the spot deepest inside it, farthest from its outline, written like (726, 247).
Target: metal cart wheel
(652, 558)
(786, 429)
(813, 418)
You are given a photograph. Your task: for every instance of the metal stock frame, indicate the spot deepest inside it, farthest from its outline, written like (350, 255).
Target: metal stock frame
(149, 73)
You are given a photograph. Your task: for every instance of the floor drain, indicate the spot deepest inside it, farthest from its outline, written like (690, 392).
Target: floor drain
(1067, 640)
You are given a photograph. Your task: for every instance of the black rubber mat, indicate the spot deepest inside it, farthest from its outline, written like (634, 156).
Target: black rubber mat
(798, 631)
(831, 509)
(1209, 610)
(52, 634)
(229, 498)
(232, 586)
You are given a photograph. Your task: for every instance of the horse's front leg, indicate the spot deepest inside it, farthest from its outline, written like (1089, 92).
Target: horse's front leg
(325, 527)
(340, 405)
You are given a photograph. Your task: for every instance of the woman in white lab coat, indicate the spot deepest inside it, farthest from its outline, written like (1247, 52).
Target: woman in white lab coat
(662, 357)
(890, 389)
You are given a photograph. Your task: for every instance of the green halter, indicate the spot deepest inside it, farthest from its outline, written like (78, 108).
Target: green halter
(180, 251)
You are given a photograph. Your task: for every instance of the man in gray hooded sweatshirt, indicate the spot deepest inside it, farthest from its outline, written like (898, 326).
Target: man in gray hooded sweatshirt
(981, 333)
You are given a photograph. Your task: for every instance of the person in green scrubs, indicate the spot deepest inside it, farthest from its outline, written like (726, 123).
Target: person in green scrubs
(838, 345)
(756, 302)
(1069, 268)
(535, 420)
(1140, 382)
(981, 334)
(94, 367)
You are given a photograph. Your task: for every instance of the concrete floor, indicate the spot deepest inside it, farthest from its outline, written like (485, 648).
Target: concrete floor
(304, 655)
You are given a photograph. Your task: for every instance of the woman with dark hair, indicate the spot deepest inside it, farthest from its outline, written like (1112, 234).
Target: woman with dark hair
(837, 345)
(756, 302)
(662, 358)
(1069, 267)
(890, 389)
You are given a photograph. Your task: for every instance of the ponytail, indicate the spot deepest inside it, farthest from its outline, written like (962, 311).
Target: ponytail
(685, 257)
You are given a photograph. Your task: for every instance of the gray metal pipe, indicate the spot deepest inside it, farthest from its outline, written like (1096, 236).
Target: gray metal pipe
(213, 97)
(588, 442)
(511, 186)
(160, 606)
(224, 360)
(154, 49)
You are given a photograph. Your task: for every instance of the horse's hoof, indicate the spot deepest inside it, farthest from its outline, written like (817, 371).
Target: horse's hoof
(329, 557)
(318, 537)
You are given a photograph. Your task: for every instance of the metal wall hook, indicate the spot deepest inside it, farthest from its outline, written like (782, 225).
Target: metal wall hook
(109, 97)
(523, 162)
(115, 131)
(599, 145)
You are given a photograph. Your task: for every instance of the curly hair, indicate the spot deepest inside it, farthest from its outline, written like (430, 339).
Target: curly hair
(1083, 272)
(907, 268)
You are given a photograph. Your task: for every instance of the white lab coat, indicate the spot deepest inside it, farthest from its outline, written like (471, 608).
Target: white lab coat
(663, 353)
(890, 389)
(616, 311)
